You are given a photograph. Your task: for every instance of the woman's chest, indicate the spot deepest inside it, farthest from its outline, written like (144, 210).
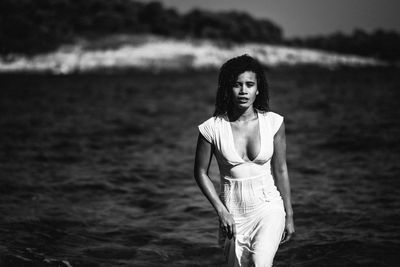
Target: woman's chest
(236, 145)
(246, 139)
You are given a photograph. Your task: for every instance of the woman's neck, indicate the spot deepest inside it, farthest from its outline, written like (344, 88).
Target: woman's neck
(243, 115)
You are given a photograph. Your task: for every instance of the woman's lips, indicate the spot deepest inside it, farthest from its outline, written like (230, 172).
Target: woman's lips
(242, 99)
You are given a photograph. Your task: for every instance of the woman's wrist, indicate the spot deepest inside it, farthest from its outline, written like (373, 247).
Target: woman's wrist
(289, 213)
(220, 211)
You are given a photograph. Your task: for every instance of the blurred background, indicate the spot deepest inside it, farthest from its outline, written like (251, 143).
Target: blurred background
(99, 106)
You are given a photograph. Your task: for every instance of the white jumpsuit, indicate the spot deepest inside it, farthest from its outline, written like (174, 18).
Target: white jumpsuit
(254, 202)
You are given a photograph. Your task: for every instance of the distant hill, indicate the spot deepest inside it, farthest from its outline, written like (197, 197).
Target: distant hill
(31, 26)
(34, 26)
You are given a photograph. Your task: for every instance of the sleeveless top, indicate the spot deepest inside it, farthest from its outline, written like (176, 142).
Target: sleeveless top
(217, 130)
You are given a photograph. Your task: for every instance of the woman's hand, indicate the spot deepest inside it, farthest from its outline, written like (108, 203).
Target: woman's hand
(289, 229)
(227, 224)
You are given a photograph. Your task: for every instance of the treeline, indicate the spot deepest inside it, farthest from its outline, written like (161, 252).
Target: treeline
(379, 43)
(30, 26)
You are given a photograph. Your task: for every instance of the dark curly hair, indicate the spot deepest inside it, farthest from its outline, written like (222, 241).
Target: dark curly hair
(228, 75)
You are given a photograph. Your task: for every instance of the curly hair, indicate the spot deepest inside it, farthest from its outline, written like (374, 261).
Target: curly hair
(228, 75)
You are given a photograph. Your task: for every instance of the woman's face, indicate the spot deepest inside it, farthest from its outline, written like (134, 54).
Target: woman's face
(245, 90)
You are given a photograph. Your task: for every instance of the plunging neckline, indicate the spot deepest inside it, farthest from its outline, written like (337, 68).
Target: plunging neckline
(233, 140)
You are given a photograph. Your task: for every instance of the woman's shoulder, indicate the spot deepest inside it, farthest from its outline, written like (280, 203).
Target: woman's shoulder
(213, 121)
(271, 115)
(274, 119)
(209, 127)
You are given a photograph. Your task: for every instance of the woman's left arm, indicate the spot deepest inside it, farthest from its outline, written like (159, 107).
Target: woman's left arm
(282, 178)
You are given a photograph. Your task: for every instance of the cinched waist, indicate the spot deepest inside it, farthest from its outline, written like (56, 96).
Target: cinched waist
(241, 179)
(247, 194)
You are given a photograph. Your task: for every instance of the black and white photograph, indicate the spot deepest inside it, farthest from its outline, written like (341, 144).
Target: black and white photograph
(199, 133)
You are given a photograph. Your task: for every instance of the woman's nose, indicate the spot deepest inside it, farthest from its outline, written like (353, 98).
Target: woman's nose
(243, 89)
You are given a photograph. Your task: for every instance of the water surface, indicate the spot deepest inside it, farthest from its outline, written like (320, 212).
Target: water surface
(96, 169)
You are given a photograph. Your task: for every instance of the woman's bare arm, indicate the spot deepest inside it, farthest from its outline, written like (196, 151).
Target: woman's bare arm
(282, 178)
(202, 162)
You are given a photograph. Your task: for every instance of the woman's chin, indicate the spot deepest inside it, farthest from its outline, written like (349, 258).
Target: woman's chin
(242, 106)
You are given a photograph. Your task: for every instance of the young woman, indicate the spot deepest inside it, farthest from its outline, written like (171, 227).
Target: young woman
(248, 141)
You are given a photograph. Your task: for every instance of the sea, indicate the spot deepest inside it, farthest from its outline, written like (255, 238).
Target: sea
(96, 169)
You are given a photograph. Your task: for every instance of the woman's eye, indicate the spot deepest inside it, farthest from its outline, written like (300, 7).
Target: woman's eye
(249, 84)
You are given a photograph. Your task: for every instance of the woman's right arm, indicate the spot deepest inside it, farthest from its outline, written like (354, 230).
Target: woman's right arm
(204, 151)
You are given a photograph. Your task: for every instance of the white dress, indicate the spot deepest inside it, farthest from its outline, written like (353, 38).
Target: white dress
(254, 202)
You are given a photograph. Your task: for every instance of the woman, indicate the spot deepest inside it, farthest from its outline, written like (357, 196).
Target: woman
(248, 141)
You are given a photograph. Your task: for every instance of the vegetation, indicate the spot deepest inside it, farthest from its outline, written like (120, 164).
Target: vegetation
(31, 26)
(379, 44)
